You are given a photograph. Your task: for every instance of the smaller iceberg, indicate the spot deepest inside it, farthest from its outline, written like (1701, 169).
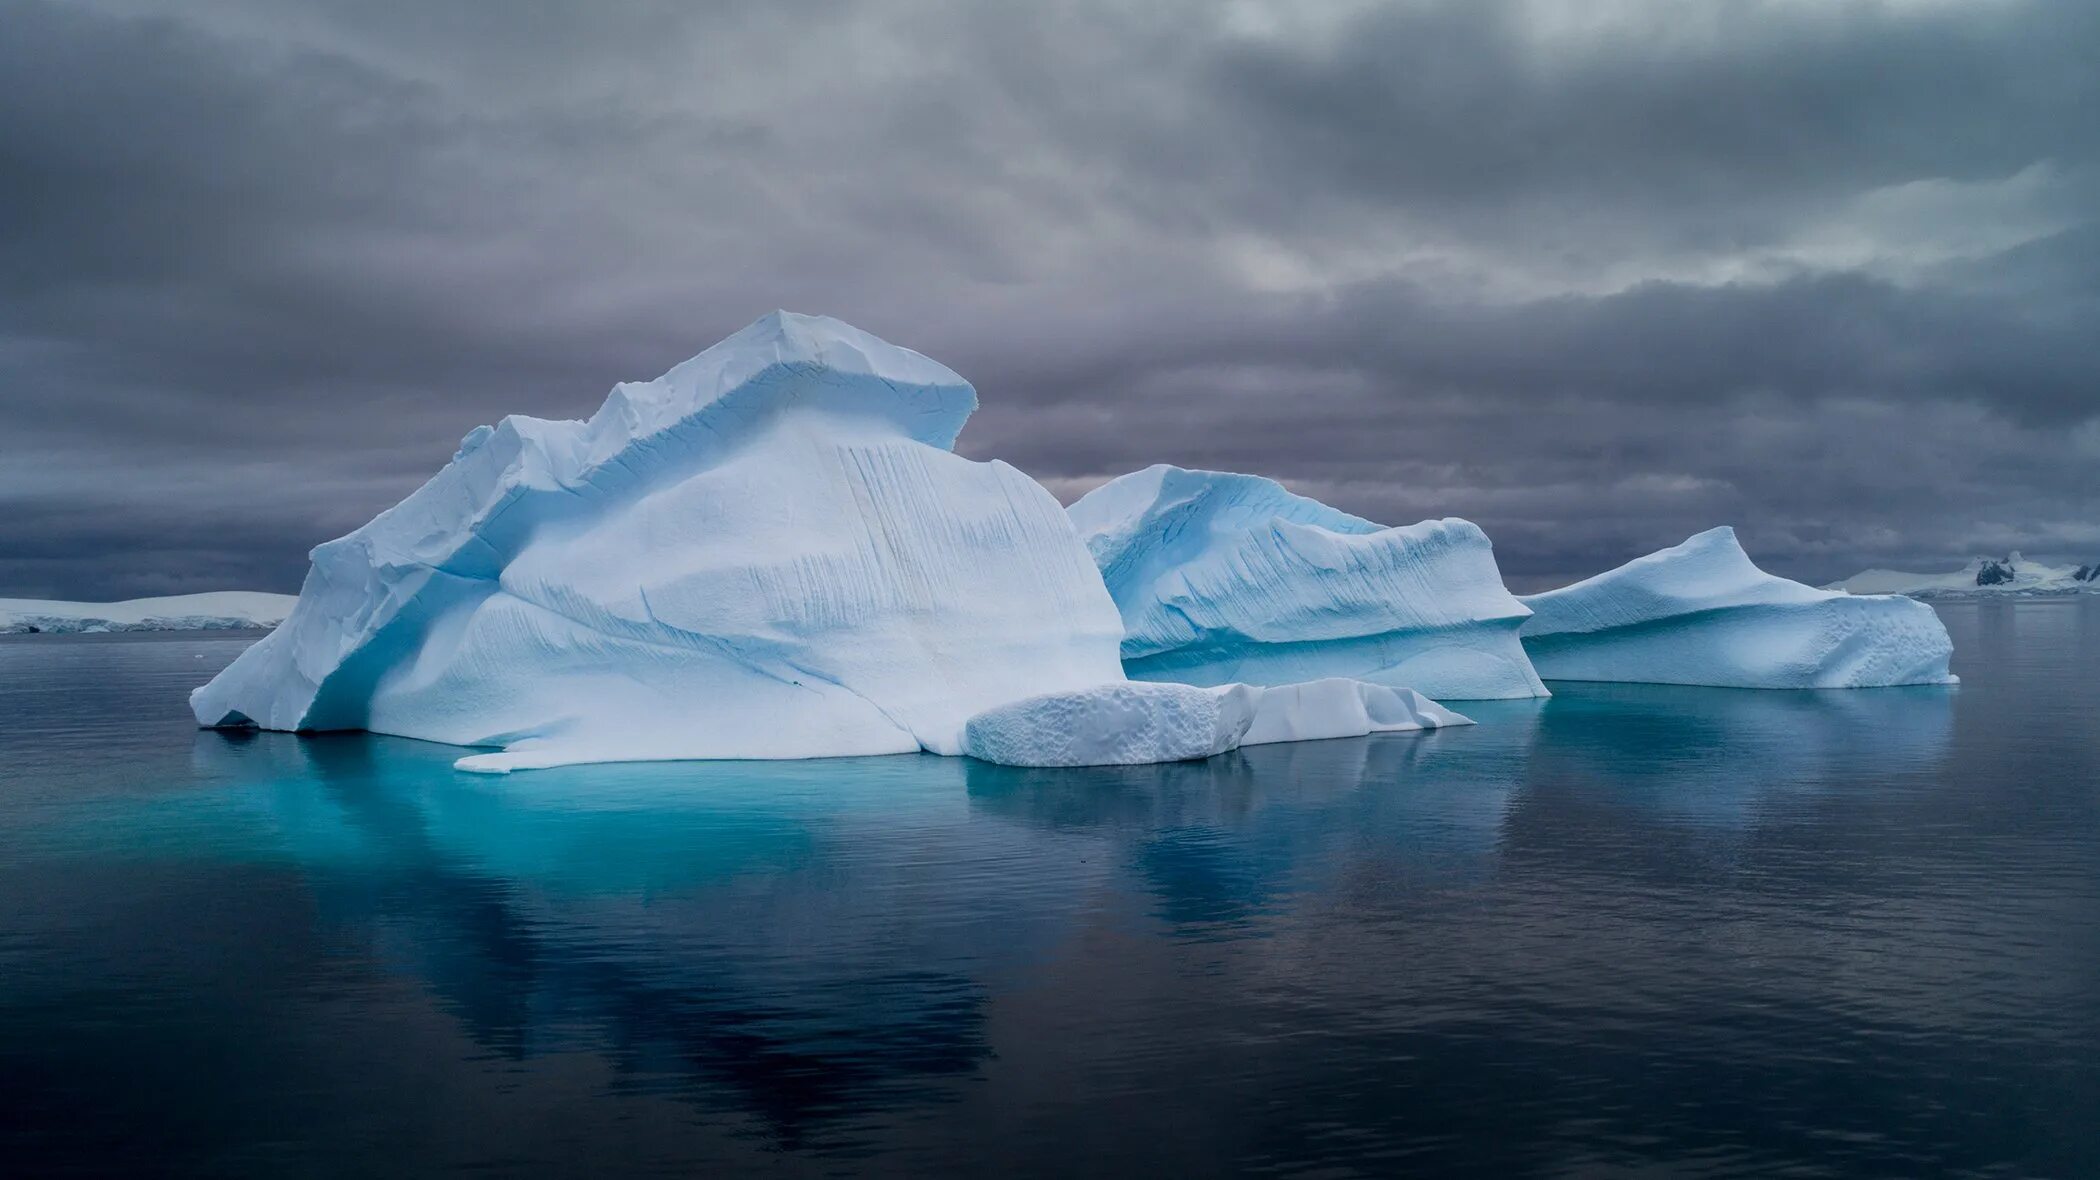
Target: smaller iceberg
(1116, 724)
(1133, 722)
(1703, 613)
(1224, 578)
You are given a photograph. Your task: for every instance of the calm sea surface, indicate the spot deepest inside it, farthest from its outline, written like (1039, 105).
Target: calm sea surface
(1626, 932)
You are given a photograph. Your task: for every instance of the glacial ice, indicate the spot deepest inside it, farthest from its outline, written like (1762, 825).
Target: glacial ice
(213, 610)
(772, 552)
(1703, 613)
(768, 552)
(1224, 578)
(1144, 721)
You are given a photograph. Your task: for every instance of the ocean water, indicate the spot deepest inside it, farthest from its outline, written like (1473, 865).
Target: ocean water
(1629, 931)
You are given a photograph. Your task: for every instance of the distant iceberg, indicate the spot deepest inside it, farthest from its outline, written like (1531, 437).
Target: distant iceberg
(1702, 613)
(2012, 574)
(768, 552)
(1224, 578)
(216, 610)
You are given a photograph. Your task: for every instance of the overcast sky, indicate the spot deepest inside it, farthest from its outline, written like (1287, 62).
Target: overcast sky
(1595, 274)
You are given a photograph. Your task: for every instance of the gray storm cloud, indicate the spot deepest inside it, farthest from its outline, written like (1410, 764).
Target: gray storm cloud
(1595, 276)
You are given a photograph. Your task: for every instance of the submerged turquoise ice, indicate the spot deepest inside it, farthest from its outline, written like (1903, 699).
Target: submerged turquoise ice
(1630, 928)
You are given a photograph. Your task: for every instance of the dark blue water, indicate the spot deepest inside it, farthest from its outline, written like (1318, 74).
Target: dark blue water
(1629, 931)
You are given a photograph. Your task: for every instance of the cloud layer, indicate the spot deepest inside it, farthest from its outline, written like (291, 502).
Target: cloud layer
(1594, 275)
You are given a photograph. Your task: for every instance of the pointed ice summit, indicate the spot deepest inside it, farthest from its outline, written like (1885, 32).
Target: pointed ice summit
(1222, 578)
(768, 552)
(1703, 613)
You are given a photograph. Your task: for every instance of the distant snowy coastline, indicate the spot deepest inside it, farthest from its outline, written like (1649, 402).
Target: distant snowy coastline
(1983, 577)
(223, 609)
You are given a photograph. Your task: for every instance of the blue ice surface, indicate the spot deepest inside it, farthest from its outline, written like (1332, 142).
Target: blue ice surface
(1224, 578)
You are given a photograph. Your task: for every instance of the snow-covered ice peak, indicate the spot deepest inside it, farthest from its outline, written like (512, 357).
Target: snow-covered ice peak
(1222, 577)
(1701, 612)
(781, 360)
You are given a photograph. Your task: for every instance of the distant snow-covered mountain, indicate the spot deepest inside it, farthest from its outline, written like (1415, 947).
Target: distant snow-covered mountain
(231, 609)
(2012, 574)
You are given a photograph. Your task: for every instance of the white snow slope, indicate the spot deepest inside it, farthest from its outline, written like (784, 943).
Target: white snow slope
(1139, 721)
(229, 609)
(1223, 578)
(768, 552)
(1702, 613)
(2013, 574)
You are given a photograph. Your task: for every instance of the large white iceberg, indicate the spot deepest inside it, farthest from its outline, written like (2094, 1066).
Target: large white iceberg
(1702, 613)
(1225, 578)
(213, 610)
(1139, 721)
(2012, 574)
(768, 552)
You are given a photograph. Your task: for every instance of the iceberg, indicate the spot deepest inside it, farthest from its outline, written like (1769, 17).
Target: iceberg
(1703, 613)
(768, 552)
(1223, 578)
(2012, 574)
(1141, 721)
(215, 610)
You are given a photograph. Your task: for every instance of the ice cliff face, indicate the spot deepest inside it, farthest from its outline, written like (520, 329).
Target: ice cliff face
(767, 552)
(1222, 578)
(1702, 613)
